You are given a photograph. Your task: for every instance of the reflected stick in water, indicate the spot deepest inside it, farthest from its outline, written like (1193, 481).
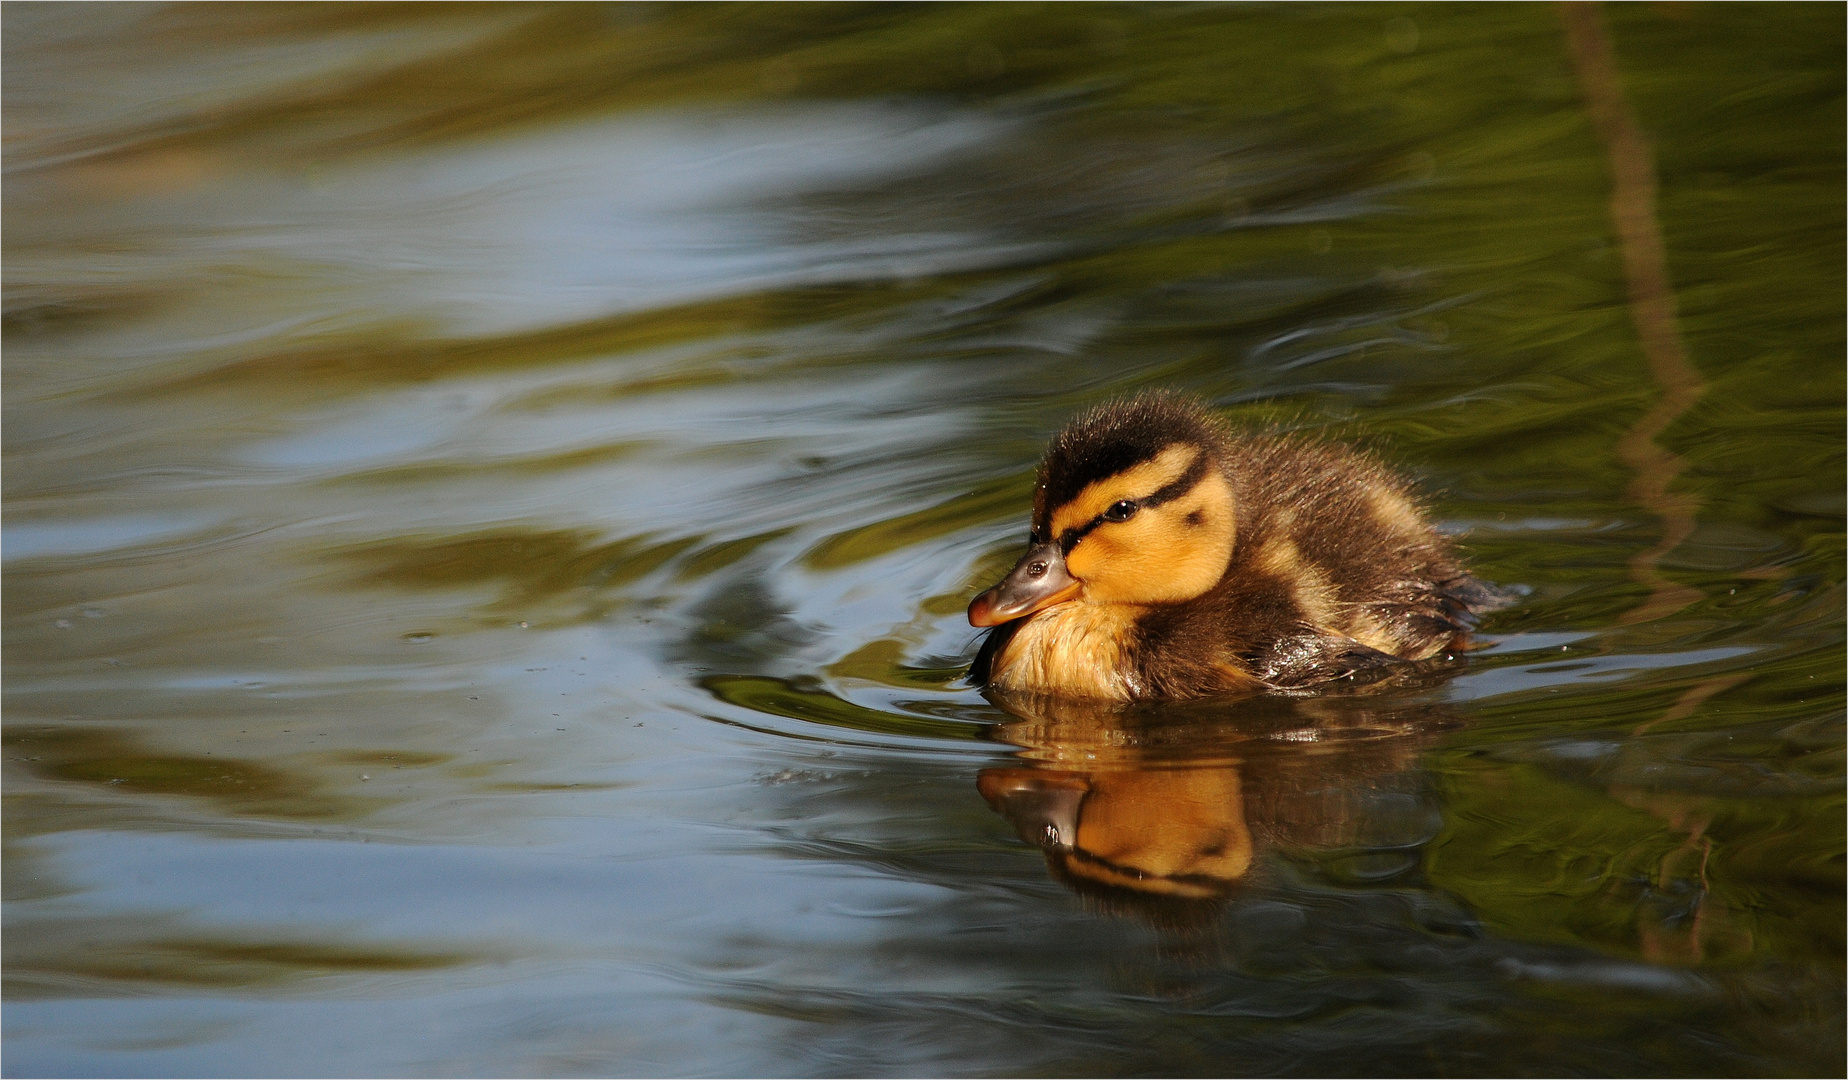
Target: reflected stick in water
(1692, 699)
(1698, 928)
(1678, 919)
(1652, 306)
(1691, 934)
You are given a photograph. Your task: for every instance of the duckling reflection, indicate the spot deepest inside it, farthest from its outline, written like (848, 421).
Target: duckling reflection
(1161, 813)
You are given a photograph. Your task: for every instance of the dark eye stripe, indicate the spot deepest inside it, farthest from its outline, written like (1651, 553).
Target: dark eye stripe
(1168, 492)
(1181, 484)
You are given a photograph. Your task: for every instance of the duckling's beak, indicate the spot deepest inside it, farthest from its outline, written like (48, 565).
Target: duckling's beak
(1038, 580)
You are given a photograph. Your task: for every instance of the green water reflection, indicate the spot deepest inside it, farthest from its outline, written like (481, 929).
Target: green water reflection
(491, 493)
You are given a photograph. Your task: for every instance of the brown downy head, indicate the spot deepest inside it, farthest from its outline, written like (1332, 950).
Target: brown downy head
(1133, 507)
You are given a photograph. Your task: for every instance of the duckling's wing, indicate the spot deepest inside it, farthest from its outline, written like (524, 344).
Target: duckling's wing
(1433, 613)
(1314, 657)
(1472, 597)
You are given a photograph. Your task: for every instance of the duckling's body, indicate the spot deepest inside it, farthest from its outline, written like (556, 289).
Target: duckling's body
(1172, 558)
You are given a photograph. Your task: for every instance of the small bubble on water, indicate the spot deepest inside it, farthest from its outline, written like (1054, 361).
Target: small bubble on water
(62, 624)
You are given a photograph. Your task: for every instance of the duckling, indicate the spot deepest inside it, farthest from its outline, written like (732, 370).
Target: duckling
(1170, 557)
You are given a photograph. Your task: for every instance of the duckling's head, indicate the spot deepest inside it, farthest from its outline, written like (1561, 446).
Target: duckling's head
(1133, 507)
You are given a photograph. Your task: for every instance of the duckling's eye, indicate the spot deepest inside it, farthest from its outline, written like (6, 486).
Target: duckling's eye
(1120, 511)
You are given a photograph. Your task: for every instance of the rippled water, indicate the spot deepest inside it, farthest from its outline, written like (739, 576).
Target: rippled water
(491, 494)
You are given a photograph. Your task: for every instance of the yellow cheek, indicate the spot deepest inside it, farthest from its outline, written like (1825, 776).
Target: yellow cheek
(1151, 559)
(1093, 558)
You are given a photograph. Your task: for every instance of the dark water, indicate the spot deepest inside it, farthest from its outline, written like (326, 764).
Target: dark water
(490, 495)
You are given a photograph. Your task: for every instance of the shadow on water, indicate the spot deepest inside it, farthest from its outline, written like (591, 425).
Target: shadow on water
(114, 759)
(60, 959)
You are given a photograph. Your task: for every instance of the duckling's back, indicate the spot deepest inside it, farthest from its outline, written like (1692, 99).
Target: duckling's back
(1334, 570)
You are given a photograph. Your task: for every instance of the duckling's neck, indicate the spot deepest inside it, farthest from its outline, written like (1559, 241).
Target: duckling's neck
(1076, 649)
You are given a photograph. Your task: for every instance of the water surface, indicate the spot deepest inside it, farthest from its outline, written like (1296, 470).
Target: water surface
(491, 494)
